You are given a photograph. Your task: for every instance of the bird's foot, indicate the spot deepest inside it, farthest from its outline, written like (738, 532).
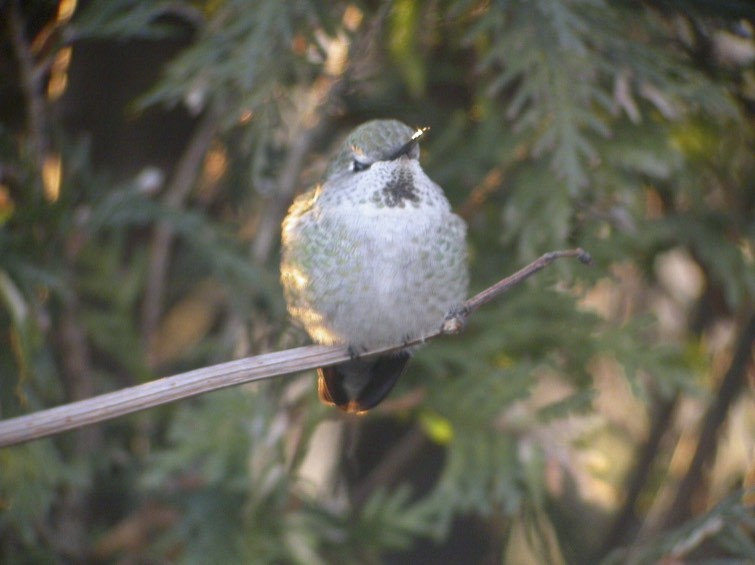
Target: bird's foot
(355, 352)
(455, 320)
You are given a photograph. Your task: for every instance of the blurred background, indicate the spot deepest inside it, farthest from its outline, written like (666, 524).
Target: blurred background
(150, 149)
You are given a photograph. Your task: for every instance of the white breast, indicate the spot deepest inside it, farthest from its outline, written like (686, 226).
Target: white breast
(382, 274)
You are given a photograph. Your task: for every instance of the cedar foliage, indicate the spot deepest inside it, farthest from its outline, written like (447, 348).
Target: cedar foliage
(558, 428)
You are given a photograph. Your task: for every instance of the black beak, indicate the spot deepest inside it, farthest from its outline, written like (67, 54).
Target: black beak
(406, 148)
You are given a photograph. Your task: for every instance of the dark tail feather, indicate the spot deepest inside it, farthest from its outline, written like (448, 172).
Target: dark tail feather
(360, 384)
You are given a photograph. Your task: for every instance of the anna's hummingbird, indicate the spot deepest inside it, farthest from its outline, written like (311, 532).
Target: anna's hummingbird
(373, 256)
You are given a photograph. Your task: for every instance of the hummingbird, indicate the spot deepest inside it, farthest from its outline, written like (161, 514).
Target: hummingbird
(372, 256)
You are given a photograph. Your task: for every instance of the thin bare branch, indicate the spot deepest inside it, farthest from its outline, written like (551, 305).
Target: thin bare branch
(268, 365)
(315, 119)
(391, 466)
(287, 182)
(691, 489)
(493, 182)
(168, 389)
(626, 523)
(162, 239)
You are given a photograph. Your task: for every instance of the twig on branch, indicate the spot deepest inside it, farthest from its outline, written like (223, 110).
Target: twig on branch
(184, 385)
(456, 321)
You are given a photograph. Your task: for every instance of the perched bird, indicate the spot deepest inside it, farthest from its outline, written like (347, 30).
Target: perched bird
(373, 256)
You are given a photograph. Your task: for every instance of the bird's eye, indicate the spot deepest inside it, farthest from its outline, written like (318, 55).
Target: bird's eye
(359, 166)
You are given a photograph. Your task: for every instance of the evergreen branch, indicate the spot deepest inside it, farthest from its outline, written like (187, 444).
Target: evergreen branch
(184, 385)
(32, 86)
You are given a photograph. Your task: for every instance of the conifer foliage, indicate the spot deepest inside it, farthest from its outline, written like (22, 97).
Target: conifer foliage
(150, 149)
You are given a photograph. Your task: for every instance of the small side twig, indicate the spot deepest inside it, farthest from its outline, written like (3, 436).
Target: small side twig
(184, 385)
(456, 321)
